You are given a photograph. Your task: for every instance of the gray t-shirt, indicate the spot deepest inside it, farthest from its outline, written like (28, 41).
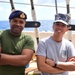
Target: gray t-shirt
(57, 51)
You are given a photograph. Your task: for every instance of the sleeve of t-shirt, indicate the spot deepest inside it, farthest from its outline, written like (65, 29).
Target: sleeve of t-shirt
(29, 43)
(41, 49)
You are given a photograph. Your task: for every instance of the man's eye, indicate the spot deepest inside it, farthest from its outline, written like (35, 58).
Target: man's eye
(21, 22)
(64, 25)
(14, 21)
(57, 24)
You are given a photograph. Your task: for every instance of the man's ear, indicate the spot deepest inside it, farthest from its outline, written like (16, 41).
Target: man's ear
(68, 28)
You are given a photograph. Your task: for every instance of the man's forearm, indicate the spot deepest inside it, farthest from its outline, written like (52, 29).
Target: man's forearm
(16, 60)
(52, 64)
(57, 70)
(67, 66)
(49, 69)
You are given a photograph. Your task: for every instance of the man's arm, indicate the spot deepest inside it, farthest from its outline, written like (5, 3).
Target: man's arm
(67, 66)
(70, 63)
(44, 67)
(17, 60)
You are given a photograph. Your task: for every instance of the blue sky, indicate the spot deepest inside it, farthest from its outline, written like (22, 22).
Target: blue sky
(44, 9)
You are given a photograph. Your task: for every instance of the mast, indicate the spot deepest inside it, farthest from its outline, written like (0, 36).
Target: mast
(68, 12)
(12, 5)
(34, 19)
(56, 6)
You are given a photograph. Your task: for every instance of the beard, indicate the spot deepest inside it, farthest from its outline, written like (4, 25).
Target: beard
(16, 30)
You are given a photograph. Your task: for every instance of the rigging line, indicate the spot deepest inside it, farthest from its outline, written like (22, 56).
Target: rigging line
(37, 4)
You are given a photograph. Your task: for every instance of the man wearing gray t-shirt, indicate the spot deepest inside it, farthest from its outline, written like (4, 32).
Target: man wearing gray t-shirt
(55, 54)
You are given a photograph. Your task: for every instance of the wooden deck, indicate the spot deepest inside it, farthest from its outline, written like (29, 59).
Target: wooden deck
(32, 69)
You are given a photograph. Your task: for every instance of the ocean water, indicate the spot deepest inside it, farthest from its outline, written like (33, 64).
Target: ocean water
(4, 25)
(46, 25)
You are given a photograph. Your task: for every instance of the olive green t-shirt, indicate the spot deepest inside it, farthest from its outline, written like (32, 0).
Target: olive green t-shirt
(14, 45)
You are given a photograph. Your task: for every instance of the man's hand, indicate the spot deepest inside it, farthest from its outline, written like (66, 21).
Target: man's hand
(71, 59)
(50, 62)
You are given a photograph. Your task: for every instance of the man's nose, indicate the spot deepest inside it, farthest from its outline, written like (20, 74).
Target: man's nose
(18, 23)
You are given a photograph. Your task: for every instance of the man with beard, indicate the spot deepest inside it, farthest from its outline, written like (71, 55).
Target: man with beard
(55, 54)
(16, 47)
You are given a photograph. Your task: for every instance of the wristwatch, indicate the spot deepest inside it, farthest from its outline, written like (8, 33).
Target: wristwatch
(55, 65)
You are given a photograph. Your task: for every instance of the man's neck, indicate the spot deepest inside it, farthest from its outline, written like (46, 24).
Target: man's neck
(57, 38)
